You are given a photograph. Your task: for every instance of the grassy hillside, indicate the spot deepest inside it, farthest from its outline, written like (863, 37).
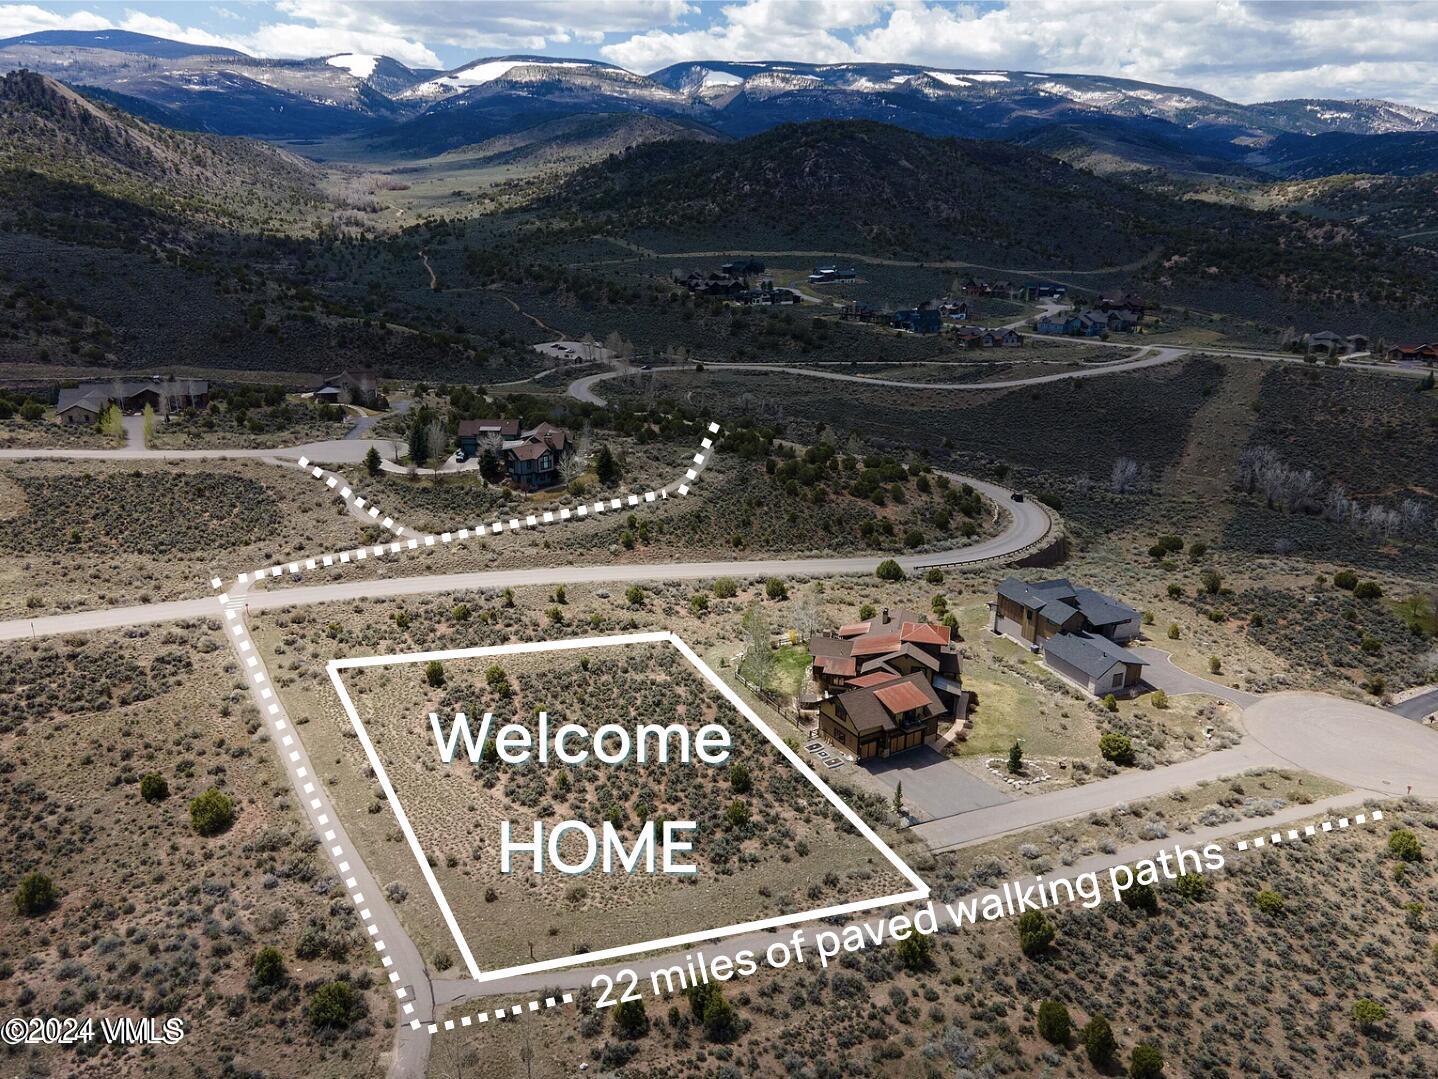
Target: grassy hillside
(864, 186)
(65, 156)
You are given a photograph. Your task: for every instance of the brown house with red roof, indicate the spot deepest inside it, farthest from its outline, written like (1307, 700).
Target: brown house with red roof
(887, 683)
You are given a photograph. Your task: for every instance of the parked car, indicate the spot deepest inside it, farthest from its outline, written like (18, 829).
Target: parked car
(1017, 496)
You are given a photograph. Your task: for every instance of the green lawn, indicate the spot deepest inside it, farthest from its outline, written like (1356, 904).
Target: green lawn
(791, 670)
(1418, 613)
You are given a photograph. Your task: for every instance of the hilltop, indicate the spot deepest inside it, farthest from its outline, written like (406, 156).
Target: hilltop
(875, 189)
(864, 186)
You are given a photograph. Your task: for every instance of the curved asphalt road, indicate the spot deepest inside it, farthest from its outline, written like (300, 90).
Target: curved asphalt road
(582, 389)
(1028, 524)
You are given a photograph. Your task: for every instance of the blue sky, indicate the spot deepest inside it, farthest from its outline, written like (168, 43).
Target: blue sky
(1245, 50)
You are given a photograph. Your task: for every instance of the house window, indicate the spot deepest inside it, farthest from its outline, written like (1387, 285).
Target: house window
(1118, 680)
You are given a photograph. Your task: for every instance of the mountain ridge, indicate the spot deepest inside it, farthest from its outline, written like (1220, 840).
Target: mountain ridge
(1099, 118)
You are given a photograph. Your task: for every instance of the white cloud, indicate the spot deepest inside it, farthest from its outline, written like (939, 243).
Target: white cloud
(755, 30)
(277, 39)
(495, 25)
(296, 40)
(18, 19)
(1245, 50)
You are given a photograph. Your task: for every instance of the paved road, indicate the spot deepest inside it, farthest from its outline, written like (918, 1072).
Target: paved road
(1419, 707)
(849, 256)
(1162, 673)
(583, 388)
(1028, 524)
(339, 451)
(981, 825)
(1360, 745)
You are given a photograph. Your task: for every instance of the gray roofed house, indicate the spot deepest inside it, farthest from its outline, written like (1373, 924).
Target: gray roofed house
(1079, 631)
(1093, 662)
(1032, 612)
(83, 403)
(80, 408)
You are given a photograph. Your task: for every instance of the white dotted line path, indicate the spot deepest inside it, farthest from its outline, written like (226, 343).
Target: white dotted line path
(292, 751)
(498, 1014)
(296, 764)
(335, 482)
(514, 524)
(1275, 838)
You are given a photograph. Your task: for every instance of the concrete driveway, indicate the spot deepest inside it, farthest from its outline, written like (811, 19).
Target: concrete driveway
(934, 785)
(1162, 673)
(1130, 785)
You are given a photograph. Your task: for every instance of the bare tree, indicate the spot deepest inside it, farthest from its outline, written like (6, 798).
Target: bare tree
(453, 1058)
(1262, 472)
(1124, 477)
(436, 443)
(758, 660)
(808, 613)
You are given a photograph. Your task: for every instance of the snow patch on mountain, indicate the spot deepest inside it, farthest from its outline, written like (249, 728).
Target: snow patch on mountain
(464, 78)
(720, 78)
(948, 78)
(1098, 98)
(357, 64)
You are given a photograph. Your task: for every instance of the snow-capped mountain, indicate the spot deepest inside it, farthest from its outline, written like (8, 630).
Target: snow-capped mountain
(225, 91)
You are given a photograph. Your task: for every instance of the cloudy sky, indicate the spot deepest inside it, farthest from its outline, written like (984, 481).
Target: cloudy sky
(1245, 50)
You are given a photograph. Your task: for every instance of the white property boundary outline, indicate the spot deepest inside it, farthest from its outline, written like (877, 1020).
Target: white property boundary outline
(918, 893)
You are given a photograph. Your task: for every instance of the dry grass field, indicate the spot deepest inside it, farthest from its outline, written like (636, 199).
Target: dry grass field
(152, 918)
(84, 534)
(17, 433)
(291, 424)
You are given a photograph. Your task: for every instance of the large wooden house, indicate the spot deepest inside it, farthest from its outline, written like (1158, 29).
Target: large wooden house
(531, 458)
(887, 683)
